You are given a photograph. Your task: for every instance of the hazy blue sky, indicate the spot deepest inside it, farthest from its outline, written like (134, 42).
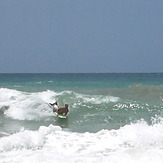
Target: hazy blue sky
(81, 36)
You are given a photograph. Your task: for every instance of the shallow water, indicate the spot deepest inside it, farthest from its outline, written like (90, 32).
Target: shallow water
(112, 118)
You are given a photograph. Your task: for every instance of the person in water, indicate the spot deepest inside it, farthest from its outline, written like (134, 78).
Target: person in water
(62, 110)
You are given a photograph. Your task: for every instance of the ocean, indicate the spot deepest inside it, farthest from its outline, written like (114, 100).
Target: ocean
(113, 118)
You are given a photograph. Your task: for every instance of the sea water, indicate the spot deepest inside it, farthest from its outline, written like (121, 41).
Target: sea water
(113, 118)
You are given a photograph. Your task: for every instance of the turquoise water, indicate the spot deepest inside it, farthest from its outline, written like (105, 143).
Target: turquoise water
(41, 82)
(101, 99)
(101, 105)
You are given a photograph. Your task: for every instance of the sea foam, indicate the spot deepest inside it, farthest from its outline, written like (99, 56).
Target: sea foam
(137, 142)
(35, 106)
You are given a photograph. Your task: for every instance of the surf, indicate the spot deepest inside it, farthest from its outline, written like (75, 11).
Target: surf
(107, 112)
(136, 142)
(34, 106)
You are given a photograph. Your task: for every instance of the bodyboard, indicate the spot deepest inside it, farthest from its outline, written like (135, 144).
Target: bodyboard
(60, 116)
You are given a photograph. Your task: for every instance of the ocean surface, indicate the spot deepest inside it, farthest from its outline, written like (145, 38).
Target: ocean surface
(113, 118)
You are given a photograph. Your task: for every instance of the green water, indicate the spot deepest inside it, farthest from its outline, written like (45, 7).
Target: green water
(96, 101)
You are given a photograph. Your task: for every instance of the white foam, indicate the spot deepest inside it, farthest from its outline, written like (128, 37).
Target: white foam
(34, 106)
(132, 143)
(97, 99)
(50, 81)
(25, 106)
(7, 95)
(26, 139)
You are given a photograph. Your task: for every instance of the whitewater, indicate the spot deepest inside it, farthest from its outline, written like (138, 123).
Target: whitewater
(113, 118)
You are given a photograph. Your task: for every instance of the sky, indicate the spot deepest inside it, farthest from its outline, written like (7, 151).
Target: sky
(81, 36)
